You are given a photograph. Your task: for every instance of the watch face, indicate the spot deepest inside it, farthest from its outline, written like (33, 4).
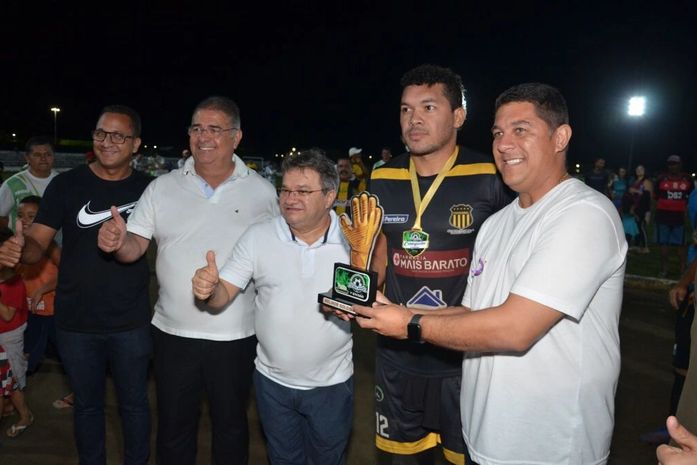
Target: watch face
(414, 329)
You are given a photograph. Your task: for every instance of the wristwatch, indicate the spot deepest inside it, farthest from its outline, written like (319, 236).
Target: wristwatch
(414, 329)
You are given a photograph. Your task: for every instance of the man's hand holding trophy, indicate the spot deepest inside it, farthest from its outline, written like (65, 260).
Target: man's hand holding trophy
(355, 283)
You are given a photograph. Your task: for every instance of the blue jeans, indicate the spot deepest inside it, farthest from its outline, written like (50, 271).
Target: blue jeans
(86, 357)
(40, 331)
(305, 426)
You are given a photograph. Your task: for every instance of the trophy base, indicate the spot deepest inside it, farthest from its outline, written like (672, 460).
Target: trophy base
(340, 304)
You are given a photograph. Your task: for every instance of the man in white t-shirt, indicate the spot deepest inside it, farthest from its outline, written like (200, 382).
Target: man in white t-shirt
(32, 181)
(304, 367)
(206, 204)
(539, 321)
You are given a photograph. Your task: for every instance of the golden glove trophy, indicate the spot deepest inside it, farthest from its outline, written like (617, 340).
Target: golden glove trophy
(355, 283)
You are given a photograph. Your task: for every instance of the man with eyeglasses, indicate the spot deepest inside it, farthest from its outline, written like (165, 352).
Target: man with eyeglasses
(31, 181)
(102, 307)
(205, 205)
(304, 395)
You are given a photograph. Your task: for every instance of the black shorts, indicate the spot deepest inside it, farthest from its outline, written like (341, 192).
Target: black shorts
(416, 413)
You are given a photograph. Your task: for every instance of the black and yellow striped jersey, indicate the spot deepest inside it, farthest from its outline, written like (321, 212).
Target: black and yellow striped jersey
(471, 191)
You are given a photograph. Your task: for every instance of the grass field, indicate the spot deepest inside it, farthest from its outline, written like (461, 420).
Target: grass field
(649, 264)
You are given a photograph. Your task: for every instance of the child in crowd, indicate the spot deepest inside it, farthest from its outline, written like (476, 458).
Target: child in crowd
(13, 319)
(40, 280)
(8, 382)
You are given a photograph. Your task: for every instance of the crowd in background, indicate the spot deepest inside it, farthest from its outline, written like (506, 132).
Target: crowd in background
(655, 208)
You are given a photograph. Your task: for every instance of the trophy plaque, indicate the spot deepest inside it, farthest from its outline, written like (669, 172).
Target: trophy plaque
(354, 283)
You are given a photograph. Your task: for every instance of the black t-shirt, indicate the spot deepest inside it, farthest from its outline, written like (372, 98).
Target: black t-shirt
(598, 181)
(95, 292)
(437, 278)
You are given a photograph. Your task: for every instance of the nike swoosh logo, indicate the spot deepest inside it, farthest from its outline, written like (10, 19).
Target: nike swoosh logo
(86, 218)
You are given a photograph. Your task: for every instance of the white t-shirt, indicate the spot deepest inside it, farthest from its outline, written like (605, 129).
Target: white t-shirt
(185, 223)
(553, 404)
(299, 346)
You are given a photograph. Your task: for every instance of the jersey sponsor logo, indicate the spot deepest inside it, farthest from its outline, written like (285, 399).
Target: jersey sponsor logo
(426, 298)
(396, 218)
(379, 395)
(86, 218)
(431, 263)
(478, 269)
(21, 193)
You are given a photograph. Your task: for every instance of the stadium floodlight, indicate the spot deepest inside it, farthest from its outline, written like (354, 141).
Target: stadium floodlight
(637, 106)
(55, 111)
(635, 109)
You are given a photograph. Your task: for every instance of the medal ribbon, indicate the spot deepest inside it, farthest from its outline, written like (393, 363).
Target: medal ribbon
(419, 204)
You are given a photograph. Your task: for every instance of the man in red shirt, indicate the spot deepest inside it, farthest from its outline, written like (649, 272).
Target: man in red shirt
(673, 188)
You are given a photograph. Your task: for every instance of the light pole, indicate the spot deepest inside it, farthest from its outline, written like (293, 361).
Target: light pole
(635, 109)
(55, 111)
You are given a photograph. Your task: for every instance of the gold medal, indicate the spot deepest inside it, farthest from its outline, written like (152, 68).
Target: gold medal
(415, 242)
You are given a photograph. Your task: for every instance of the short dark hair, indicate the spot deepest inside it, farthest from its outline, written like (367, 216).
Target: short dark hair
(222, 104)
(431, 75)
(33, 199)
(314, 159)
(127, 111)
(5, 233)
(38, 140)
(549, 103)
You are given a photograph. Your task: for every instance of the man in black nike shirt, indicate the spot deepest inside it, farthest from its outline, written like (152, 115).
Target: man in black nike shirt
(102, 307)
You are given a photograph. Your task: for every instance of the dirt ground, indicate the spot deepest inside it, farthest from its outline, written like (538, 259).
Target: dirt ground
(646, 330)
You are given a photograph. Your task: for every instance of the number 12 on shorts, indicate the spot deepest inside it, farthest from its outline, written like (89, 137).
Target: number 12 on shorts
(381, 425)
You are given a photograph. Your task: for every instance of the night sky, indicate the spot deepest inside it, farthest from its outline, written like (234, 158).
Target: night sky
(327, 74)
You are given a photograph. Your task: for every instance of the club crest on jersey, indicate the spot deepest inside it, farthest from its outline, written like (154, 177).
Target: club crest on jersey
(461, 218)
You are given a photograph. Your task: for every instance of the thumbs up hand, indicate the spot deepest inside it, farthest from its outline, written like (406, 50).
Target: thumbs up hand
(11, 249)
(19, 233)
(113, 233)
(206, 278)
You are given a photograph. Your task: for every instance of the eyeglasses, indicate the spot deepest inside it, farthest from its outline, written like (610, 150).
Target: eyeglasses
(214, 131)
(302, 193)
(116, 137)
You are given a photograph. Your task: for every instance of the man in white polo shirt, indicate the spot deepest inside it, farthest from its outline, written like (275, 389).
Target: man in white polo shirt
(304, 382)
(206, 204)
